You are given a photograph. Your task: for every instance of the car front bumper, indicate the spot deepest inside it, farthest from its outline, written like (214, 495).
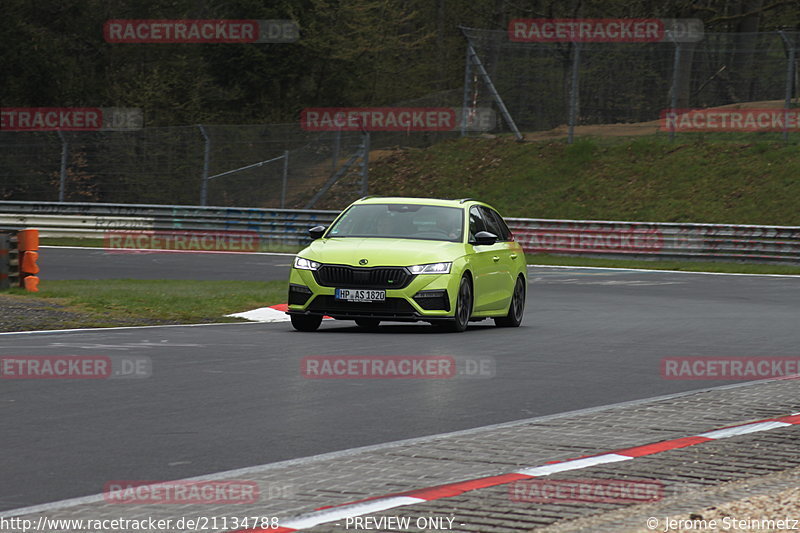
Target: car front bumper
(427, 297)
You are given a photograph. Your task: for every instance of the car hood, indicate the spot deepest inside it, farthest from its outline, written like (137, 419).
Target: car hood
(381, 252)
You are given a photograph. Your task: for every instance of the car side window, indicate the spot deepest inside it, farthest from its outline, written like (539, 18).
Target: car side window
(476, 223)
(497, 223)
(493, 224)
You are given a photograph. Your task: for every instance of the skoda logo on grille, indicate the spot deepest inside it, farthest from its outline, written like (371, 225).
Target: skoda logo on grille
(362, 261)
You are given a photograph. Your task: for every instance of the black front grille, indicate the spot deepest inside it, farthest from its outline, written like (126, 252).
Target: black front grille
(298, 294)
(433, 300)
(391, 307)
(363, 278)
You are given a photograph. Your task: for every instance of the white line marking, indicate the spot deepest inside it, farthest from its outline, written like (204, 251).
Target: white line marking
(796, 276)
(348, 511)
(743, 430)
(575, 464)
(263, 314)
(117, 328)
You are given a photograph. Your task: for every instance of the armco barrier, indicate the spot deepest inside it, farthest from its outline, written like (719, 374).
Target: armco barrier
(659, 240)
(570, 237)
(74, 219)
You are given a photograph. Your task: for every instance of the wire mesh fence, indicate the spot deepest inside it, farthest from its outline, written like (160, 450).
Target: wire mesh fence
(554, 86)
(552, 89)
(168, 164)
(182, 164)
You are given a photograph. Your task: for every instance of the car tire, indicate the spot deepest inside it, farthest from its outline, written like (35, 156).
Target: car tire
(368, 323)
(515, 309)
(306, 322)
(463, 308)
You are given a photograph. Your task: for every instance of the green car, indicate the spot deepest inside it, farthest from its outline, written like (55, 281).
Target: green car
(447, 262)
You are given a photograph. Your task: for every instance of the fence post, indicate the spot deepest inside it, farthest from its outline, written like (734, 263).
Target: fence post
(206, 164)
(337, 143)
(676, 64)
(573, 92)
(467, 89)
(285, 177)
(365, 166)
(62, 181)
(790, 66)
(473, 57)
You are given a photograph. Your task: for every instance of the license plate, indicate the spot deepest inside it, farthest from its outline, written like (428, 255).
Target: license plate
(361, 295)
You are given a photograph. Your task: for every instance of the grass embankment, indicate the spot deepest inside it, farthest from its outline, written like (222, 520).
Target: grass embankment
(66, 304)
(647, 179)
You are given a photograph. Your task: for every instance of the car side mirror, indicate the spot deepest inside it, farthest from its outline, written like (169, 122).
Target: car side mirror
(484, 238)
(316, 232)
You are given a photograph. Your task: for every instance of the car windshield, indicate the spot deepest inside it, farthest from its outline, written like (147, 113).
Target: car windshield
(401, 221)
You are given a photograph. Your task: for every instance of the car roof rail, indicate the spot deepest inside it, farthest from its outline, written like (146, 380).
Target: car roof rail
(465, 200)
(368, 196)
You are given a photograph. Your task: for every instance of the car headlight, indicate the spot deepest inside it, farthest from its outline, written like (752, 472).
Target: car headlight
(305, 264)
(431, 268)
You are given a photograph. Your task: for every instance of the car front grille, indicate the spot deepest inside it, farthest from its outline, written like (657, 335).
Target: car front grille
(363, 278)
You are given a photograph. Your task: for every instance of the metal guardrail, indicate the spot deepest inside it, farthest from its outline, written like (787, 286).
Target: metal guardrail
(659, 240)
(570, 237)
(79, 219)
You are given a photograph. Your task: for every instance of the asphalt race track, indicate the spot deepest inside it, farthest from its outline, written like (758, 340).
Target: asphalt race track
(229, 396)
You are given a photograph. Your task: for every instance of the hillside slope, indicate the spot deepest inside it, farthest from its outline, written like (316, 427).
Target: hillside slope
(645, 179)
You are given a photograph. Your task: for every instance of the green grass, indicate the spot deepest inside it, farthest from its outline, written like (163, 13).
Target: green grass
(688, 266)
(645, 179)
(111, 301)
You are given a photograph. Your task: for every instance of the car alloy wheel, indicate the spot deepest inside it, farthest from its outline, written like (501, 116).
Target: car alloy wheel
(516, 309)
(463, 310)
